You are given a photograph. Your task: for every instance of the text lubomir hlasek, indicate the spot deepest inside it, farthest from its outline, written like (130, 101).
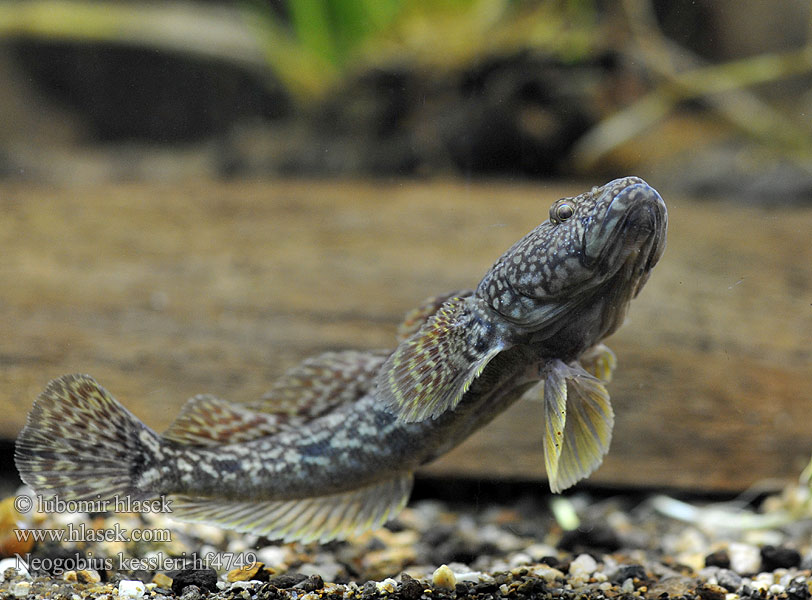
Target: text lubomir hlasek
(119, 504)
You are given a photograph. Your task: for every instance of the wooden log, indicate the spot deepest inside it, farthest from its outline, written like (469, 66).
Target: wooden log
(165, 291)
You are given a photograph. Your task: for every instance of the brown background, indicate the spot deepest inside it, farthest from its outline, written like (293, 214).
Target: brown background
(162, 292)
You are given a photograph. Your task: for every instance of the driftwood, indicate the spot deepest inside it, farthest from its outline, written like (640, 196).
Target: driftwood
(162, 292)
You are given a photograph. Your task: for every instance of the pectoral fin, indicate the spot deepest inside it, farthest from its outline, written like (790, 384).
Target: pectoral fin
(555, 419)
(429, 372)
(579, 421)
(600, 361)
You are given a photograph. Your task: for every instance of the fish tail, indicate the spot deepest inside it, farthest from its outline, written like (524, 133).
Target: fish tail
(80, 443)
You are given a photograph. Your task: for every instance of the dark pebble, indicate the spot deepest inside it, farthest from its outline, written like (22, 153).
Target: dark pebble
(596, 536)
(370, 588)
(629, 572)
(268, 591)
(461, 589)
(730, 580)
(532, 587)
(485, 587)
(773, 558)
(798, 590)
(286, 581)
(311, 584)
(410, 588)
(205, 579)
(190, 592)
(720, 559)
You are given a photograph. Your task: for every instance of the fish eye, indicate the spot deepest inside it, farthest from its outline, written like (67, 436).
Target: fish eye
(561, 211)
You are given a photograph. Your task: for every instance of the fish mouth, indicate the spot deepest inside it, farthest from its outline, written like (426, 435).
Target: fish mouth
(632, 229)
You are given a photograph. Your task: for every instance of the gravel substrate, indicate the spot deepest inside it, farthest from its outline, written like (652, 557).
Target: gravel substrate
(623, 548)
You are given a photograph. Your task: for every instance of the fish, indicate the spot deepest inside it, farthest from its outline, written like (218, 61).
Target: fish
(331, 449)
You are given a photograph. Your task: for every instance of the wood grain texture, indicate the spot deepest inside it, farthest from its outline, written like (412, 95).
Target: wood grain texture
(162, 292)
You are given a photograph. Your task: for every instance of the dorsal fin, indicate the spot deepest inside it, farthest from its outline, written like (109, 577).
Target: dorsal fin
(206, 421)
(430, 372)
(319, 384)
(417, 317)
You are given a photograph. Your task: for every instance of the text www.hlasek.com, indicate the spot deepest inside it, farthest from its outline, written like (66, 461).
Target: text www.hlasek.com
(81, 533)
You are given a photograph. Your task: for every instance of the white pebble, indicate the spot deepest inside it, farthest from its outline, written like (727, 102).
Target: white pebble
(387, 586)
(762, 581)
(519, 559)
(583, 566)
(473, 576)
(744, 558)
(444, 578)
(628, 586)
(274, 556)
(548, 574)
(245, 585)
(21, 589)
(131, 589)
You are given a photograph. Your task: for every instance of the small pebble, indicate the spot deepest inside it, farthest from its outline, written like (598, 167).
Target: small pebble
(21, 589)
(444, 578)
(410, 589)
(162, 581)
(629, 572)
(387, 586)
(762, 581)
(248, 572)
(310, 584)
(286, 580)
(710, 591)
(720, 558)
(128, 588)
(744, 558)
(583, 566)
(548, 574)
(773, 558)
(88, 576)
(69, 576)
(245, 585)
(729, 580)
(190, 592)
(204, 579)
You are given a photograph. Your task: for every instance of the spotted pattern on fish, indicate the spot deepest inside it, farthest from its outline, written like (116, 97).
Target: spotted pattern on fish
(331, 449)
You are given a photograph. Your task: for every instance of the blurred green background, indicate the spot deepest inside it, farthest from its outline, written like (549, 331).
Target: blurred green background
(709, 97)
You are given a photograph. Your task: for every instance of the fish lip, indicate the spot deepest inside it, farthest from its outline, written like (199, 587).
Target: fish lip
(635, 213)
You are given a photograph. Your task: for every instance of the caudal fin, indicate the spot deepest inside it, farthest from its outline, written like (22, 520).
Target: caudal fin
(80, 443)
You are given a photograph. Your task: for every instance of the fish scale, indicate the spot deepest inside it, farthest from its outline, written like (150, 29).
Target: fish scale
(331, 449)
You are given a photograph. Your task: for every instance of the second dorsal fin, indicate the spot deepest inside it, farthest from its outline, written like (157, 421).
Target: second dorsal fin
(313, 388)
(319, 384)
(206, 421)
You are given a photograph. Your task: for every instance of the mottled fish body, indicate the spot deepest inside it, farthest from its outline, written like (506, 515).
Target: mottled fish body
(331, 449)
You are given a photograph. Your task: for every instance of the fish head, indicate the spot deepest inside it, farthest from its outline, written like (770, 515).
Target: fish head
(578, 270)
